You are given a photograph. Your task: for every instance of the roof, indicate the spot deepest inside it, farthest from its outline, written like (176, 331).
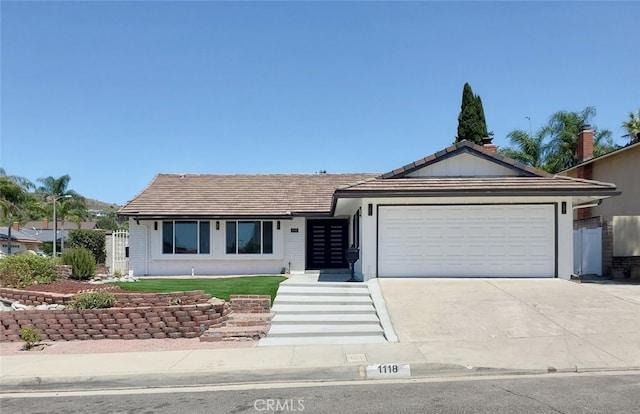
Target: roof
(17, 236)
(266, 195)
(68, 225)
(603, 156)
(45, 235)
(467, 186)
(466, 147)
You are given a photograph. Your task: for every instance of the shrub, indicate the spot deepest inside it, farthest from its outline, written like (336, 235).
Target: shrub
(30, 336)
(100, 299)
(82, 263)
(17, 271)
(93, 240)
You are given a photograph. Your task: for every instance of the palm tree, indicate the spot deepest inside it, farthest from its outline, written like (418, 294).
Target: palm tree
(632, 126)
(564, 127)
(528, 149)
(53, 188)
(15, 200)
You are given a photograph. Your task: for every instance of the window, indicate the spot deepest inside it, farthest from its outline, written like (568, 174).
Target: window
(356, 229)
(249, 237)
(186, 237)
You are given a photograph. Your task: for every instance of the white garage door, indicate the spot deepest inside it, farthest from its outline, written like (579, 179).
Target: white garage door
(466, 241)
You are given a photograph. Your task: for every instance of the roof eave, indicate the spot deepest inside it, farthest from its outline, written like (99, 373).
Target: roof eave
(483, 192)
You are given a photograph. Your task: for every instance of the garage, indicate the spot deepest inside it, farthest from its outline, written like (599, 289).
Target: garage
(484, 240)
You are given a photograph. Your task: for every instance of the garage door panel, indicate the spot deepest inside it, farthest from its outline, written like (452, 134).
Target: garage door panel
(466, 241)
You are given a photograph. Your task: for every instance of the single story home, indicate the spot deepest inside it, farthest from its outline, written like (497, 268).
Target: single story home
(18, 242)
(609, 232)
(465, 211)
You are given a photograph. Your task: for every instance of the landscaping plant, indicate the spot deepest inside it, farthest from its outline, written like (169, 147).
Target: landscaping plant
(30, 336)
(82, 263)
(20, 270)
(93, 240)
(100, 299)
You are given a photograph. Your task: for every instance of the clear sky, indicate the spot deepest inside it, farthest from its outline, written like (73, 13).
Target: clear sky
(113, 93)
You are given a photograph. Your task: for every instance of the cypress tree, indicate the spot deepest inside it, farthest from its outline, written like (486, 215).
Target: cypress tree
(472, 125)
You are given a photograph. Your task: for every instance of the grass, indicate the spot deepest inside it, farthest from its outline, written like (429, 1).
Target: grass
(221, 288)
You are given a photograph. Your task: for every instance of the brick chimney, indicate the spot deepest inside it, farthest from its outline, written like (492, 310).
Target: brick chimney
(486, 143)
(45, 224)
(15, 226)
(584, 152)
(584, 145)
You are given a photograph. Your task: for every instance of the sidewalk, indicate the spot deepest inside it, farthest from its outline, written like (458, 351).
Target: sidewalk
(473, 327)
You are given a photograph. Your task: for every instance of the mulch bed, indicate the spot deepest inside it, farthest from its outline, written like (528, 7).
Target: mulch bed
(70, 287)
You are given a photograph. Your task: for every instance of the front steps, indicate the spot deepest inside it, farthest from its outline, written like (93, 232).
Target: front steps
(323, 313)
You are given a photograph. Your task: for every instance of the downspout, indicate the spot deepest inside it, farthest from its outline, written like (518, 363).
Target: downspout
(147, 249)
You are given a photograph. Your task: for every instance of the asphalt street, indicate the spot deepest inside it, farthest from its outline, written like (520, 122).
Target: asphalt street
(550, 393)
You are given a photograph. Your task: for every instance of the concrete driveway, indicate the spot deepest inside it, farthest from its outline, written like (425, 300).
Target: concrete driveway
(517, 323)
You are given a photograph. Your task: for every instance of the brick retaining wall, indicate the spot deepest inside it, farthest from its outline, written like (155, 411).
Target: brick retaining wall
(180, 321)
(251, 303)
(123, 299)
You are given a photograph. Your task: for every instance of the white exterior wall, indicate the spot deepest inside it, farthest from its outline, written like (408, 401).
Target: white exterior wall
(146, 257)
(368, 225)
(294, 245)
(138, 247)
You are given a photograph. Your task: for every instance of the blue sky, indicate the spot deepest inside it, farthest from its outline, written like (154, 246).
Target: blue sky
(113, 93)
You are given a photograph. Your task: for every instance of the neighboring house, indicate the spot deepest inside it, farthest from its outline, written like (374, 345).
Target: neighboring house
(19, 241)
(619, 217)
(43, 230)
(462, 212)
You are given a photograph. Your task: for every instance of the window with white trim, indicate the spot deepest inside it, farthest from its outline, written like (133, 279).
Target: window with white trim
(186, 237)
(249, 237)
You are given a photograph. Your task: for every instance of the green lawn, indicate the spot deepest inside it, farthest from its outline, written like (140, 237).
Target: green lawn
(219, 287)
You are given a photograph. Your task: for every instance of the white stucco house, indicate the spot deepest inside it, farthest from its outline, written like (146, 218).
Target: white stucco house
(462, 212)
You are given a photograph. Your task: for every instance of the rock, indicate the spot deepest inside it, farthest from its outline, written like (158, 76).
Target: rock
(20, 307)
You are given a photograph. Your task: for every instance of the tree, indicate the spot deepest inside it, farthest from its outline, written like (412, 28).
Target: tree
(472, 125)
(53, 188)
(564, 127)
(529, 150)
(16, 203)
(632, 126)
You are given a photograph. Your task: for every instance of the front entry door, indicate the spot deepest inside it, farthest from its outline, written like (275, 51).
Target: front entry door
(327, 242)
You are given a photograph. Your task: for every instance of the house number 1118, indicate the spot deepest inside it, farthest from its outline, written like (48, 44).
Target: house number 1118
(388, 370)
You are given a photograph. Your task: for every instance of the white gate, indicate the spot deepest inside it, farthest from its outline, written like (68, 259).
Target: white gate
(587, 251)
(119, 249)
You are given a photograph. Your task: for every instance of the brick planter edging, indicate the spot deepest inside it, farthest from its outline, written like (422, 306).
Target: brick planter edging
(123, 298)
(133, 322)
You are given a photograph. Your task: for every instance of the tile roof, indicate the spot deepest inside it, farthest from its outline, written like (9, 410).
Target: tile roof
(238, 195)
(466, 146)
(470, 185)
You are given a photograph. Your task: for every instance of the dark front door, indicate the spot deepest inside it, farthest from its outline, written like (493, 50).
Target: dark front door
(327, 242)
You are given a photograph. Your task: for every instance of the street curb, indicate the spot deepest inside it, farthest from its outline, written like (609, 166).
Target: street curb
(299, 375)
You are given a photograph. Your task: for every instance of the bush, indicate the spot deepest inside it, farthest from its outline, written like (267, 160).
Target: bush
(93, 240)
(20, 270)
(100, 299)
(30, 336)
(82, 262)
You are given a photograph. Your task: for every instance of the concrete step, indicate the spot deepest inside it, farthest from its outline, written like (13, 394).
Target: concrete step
(346, 285)
(321, 299)
(325, 330)
(325, 318)
(287, 308)
(321, 340)
(323, 290)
